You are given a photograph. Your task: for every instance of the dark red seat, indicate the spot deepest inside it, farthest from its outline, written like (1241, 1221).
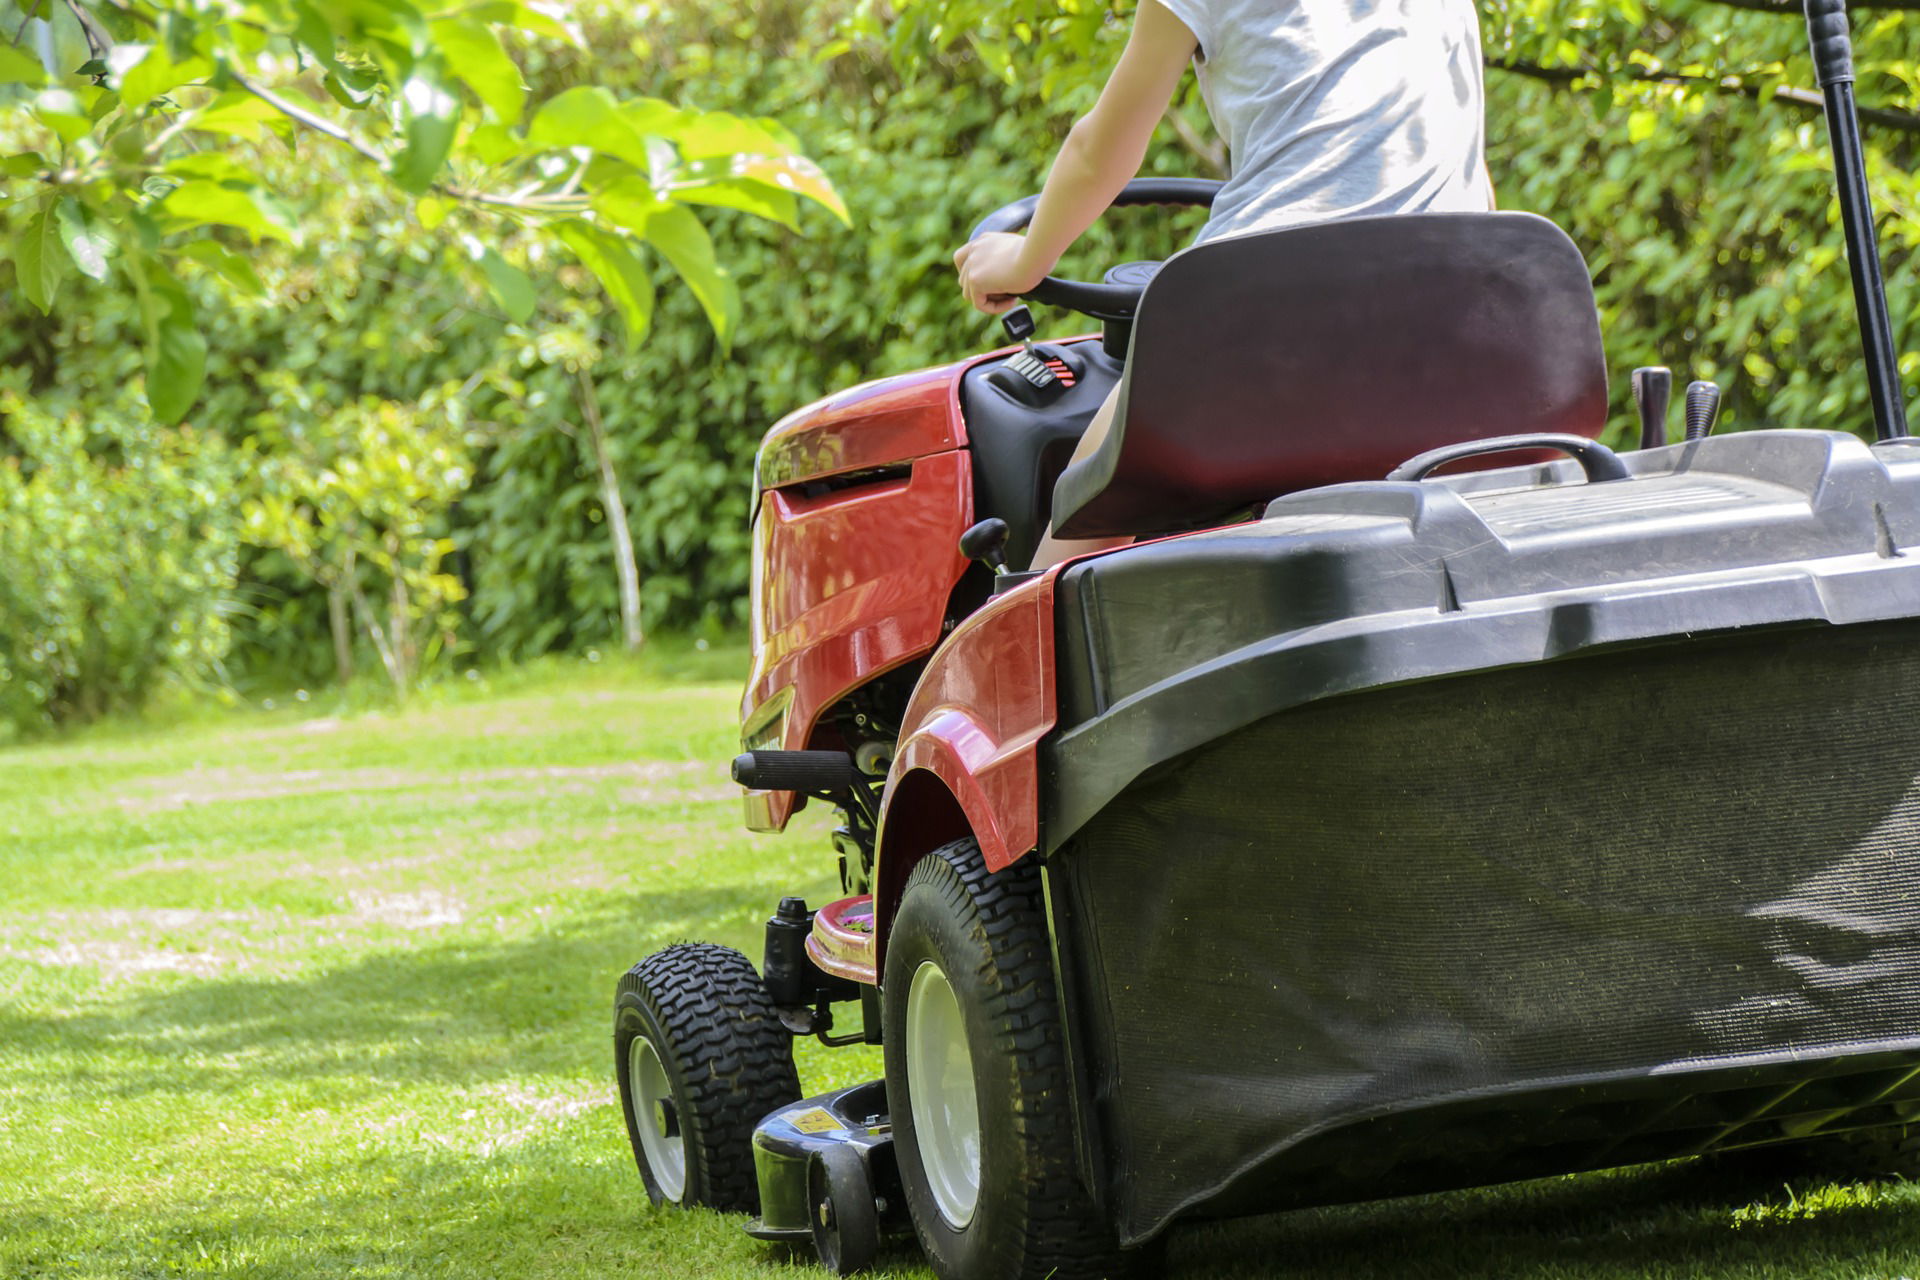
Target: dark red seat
(1281, 361)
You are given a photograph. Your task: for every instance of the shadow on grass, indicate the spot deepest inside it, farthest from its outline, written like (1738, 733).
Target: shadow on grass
(464, 1009)
(1777, 1213)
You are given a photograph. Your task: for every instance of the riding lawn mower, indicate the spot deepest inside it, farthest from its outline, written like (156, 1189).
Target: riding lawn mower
(1429, 796)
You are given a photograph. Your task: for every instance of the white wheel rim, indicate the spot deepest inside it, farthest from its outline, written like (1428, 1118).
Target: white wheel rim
(946, 1112)
(657, 1119)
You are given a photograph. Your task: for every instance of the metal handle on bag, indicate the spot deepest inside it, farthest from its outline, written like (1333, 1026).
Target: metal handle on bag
(1599, 462)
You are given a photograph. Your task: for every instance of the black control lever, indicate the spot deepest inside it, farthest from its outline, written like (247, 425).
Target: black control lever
(1703, 410)
(987, 543)
(1652, 394)
(1019, 326)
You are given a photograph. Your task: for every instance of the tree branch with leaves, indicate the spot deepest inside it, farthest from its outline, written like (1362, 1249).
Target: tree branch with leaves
(107, 107)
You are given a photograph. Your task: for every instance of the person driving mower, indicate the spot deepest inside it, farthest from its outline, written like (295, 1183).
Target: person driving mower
(1330, 109)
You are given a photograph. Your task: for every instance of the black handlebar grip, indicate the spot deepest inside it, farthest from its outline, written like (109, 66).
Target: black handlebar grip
(1832, 37)
(806, 771)
(1172, 191)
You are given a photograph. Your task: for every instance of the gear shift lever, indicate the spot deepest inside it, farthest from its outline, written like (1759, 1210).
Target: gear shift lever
(1652, 393)
(1703, 410)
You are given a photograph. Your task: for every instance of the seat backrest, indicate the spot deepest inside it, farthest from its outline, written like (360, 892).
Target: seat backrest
(1269, 363)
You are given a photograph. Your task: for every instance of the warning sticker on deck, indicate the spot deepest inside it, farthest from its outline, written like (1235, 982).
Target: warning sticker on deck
(816, 1120)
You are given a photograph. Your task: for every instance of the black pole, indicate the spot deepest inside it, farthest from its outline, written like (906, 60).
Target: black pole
(1828, 29)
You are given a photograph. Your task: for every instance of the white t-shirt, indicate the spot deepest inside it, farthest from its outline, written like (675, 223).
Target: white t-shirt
(1341, 108)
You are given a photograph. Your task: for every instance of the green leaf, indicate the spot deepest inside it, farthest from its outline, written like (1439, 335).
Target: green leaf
(63, 113)
(157, 75)
(684, 242)
(343, 92)
(393, 33)
(219, 166)
(538, 19)
(492, 144)
(748, 197)
(655, 117)
(620, 272)
(22, 164)
(176, 352)
(704, 134)
(509, 284)
(201, 202)
(236, 115)
(431, 211)
(475, 54)
(319, 34)
(88, 243)
(629, 203)
(432, 120)
(782, 173)
(177, 32)
(39, 258)
(17, 66)
(226, 264)
(997, 57)
(588, 117)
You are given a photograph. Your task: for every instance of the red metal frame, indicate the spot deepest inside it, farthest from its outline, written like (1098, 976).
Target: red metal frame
(852, 583)
(972, 731)
(875, 424)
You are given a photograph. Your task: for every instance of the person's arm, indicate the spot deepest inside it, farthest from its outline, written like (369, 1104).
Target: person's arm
(1101, 154)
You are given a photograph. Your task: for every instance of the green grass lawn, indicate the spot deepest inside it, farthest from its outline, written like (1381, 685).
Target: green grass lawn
(320, 996)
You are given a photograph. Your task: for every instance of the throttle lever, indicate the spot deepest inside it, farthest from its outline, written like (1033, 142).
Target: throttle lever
(1652, 394)
(1703, 410)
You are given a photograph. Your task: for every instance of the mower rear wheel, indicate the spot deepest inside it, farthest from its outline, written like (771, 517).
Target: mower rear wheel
(701, 1058)
(977, 1079)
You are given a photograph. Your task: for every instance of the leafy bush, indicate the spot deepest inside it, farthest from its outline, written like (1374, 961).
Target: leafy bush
(118, 549)
(357, 492)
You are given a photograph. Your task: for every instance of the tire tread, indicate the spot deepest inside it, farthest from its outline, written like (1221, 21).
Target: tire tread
(1063, 1235)
(730, 1053)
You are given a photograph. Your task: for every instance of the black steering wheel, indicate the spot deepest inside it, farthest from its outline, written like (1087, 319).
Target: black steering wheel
(1117, 299)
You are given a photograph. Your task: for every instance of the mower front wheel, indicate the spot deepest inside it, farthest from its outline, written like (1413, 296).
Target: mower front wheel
(701, 1058)
(977, 1079)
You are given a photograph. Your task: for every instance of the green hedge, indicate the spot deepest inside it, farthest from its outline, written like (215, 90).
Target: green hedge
(1707, 216)
(117, 558)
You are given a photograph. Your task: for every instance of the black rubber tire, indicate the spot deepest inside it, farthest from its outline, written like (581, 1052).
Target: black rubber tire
(727, 1058)
(846, 1221)
(988, 934)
